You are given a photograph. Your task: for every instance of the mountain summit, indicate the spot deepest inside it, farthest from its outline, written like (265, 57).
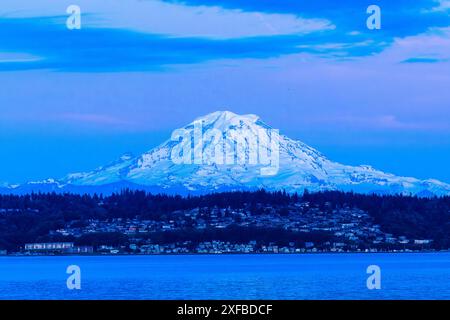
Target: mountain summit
(225, 151)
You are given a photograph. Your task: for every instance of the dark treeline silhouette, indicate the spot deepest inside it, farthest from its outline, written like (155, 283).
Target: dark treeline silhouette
(29, 218)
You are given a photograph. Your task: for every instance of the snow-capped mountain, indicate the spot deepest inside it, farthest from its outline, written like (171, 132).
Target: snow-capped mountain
(226, 151)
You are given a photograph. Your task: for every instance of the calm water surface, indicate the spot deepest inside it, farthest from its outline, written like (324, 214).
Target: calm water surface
(309, 276)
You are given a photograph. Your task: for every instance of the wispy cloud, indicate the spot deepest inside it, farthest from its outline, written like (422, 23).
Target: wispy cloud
(153, 34)
(12, 57)
(400, 17)
(432, 46)
(442, 5)
(423, 60)
(92, 118)
(108, 49)
(380, 122)
(175, 19)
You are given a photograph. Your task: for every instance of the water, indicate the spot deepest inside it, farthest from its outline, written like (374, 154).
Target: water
(309, 276)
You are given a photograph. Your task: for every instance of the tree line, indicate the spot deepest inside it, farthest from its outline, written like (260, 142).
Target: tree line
(30, 217)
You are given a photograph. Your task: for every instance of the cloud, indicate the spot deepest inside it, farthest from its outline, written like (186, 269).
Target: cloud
(380, 122)
(443, 5)
(432, 46)
(151, 35)
(210, 21)
(423, 60)
(174, 19)
(92, 118)
(108, 49)
(13, 57)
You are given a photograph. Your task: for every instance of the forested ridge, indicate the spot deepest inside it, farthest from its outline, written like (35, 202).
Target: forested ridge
(30, 218)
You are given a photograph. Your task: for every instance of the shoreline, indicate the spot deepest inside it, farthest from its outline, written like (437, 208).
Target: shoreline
(218, 254)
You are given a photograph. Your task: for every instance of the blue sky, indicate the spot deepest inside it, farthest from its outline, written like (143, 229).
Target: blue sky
(71, 100)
